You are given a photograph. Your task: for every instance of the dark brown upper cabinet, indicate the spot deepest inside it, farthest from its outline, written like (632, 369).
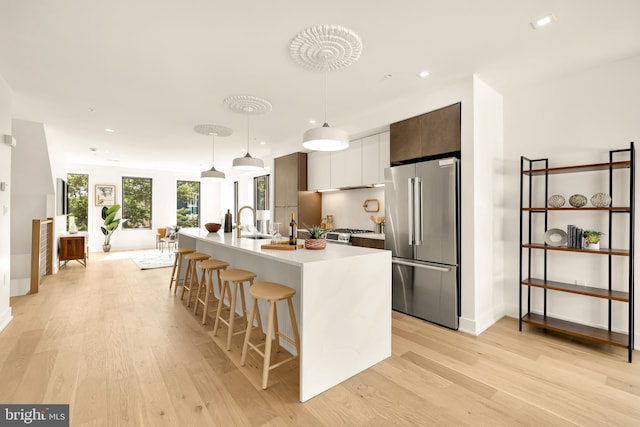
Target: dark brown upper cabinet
(428, 135)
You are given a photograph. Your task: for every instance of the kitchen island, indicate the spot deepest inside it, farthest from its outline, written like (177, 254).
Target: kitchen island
(342, 301)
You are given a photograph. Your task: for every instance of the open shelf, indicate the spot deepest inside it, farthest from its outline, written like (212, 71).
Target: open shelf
(578, 289)
(531, 224)
(608, 208)
(602, 251)
(580, 168)
(577, 330)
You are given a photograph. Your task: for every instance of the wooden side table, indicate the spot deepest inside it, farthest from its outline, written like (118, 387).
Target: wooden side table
(73, 247)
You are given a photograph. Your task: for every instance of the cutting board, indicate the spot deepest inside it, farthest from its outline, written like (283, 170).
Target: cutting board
(286, 247)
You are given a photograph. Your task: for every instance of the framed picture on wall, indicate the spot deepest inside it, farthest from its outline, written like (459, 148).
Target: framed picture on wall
(105, 195)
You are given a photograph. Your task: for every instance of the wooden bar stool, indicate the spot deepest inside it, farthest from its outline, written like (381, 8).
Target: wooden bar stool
(237, 277)
(177, 264)
(272, 292)
(191, 275)
(206, 283)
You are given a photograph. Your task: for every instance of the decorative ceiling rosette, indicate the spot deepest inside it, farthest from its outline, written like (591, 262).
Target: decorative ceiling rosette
(325, 48)
(248, 104)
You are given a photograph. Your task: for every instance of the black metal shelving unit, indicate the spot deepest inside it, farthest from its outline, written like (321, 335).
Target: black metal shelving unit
(530, 168)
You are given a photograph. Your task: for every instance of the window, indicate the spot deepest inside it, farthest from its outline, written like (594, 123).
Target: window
(136, 202)
(78, 199)
(188, 206)
(261, 192)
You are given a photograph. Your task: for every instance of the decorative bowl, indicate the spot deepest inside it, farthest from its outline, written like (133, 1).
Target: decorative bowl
(556, 201)
(310, 243)
(212, 227)
(600, 200)
(577, 200)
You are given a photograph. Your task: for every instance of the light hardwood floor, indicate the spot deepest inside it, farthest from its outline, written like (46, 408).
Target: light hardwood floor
(115, 344)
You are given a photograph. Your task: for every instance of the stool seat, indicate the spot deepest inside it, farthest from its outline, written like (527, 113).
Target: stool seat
(177, 265)
(184, 251)
(271, 291)
(236, 275)
(213, 264)
(196, 256)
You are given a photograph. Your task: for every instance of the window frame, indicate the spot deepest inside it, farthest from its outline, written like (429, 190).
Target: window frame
(265, 179)
(199, 205)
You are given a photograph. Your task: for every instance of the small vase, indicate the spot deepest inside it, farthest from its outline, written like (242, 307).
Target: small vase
(106, 248)
(73, 229)
(593, 246)
(310, 243)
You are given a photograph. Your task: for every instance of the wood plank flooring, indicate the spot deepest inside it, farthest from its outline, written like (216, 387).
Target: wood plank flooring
(122, 350)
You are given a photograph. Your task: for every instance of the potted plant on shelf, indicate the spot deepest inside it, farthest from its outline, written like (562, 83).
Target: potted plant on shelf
(317, 238)
(110, 224)
(592, 237)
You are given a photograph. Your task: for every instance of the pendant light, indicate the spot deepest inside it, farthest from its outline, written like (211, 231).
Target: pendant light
(325, 48)
(247, 162)
(213, 130)
(249, 105)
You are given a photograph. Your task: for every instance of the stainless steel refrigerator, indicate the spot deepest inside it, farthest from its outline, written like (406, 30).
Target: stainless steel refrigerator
(422, 229)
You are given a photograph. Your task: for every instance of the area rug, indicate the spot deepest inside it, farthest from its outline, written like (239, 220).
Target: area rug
(155, 259)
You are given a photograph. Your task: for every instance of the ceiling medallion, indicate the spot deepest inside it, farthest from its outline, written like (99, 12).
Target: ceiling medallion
(325, 48)
(248, 104)
(216, 130)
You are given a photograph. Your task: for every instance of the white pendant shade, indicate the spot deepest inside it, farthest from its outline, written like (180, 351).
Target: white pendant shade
(213, 174)
(248, 163)
(325, 138)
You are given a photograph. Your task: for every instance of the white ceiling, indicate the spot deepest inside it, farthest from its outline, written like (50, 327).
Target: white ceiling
(153, 69)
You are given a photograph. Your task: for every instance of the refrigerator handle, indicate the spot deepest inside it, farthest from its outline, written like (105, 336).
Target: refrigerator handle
(410, 210)
(417, 214)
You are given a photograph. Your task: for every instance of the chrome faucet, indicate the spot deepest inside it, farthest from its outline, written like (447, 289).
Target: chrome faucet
(239, 226)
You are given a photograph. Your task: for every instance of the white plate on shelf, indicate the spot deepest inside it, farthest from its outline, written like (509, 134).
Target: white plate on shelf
(555, 237)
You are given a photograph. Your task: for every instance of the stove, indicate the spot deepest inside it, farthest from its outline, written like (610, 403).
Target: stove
(343, 235)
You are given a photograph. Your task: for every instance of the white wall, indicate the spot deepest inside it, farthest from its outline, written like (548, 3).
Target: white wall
(32, 197)
(5, 205)
(489, 204)
(571, 120)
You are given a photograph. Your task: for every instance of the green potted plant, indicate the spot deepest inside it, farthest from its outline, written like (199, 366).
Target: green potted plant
(592, 238)
(110, 224)
(317, 237)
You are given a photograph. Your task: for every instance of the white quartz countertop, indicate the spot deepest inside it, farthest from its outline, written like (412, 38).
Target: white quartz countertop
(296, 257)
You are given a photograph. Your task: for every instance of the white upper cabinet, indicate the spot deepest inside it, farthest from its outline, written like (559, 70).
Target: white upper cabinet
(346, 166)
(362, 163)
(319, 170)
(375, 157)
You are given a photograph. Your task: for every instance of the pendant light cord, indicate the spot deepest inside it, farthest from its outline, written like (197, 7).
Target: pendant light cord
(248, 127)
(326, 71)
(213, 152)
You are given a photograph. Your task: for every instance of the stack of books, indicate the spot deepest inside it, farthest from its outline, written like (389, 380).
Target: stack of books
(574, 237)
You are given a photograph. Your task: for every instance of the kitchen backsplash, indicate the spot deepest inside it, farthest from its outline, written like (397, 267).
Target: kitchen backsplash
(346, 207)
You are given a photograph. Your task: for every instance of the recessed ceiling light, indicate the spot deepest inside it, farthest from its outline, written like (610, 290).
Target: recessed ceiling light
(109, 130)
(312, 121)
(423, 74)
(262, 143)
(90, 110)
(94, 149)
(542, 21)
(388, 76)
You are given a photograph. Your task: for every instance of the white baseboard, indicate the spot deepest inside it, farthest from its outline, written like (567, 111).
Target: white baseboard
(482, 322)
(5, 318)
